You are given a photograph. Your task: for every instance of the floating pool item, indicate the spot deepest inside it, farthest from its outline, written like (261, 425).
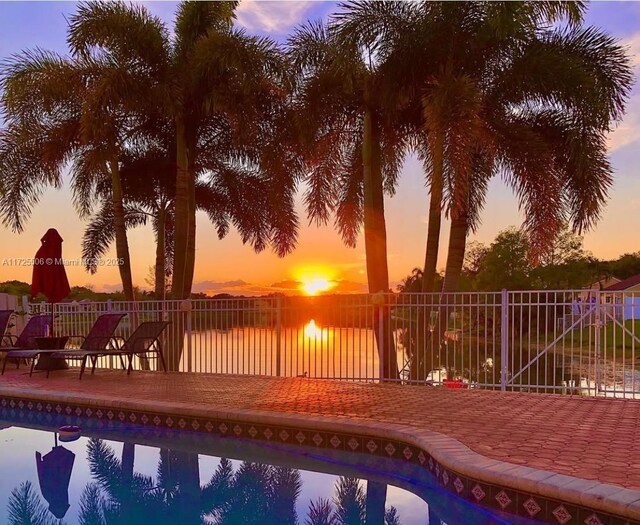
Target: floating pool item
(68, 433)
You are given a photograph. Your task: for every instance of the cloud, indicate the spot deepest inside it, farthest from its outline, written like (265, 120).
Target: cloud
(214, 287)
(287, 285)
(274, 17)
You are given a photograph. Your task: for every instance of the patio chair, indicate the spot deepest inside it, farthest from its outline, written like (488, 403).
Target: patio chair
(98, 338)
(143, 341)
(35, 327)
(5, 317)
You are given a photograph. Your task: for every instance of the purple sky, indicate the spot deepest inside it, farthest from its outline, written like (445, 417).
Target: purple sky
(236, 268)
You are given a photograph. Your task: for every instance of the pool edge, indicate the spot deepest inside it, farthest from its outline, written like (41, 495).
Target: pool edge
(488, 482)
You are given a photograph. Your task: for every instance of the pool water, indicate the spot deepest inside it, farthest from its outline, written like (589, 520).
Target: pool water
(121, 474)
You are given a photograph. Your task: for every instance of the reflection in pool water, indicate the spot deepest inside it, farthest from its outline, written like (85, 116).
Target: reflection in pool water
(134, 475)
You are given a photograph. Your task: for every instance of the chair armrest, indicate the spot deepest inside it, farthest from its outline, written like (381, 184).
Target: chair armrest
(119, 340)
(106, 339)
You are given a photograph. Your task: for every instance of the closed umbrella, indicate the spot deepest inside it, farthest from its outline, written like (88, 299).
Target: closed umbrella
(49, 276)
(54, 474)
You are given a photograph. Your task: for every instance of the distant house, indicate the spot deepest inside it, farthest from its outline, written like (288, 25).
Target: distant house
(631, 302)
(597, 286)
(631, 284)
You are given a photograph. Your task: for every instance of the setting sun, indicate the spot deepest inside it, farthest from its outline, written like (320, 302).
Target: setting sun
(315, 286)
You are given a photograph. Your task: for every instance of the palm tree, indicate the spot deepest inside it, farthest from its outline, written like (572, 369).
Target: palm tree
(503, 91)
(352, 145)
(351, 506)
(58, 111)
(213, 82)
(488, 79)
(149, 193)
(26, 508)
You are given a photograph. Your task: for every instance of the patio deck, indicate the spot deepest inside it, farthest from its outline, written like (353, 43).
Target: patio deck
(594, 439)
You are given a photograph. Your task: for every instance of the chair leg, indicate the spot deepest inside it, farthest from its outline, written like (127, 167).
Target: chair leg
(164, 365)
(122, 362)
(94, 362)
(130, 367)
(33, 364)
(83, 365)
(4, 364)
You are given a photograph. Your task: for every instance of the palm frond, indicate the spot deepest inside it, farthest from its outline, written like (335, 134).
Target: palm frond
(92, 506)
(100, 232)
(127, 32)
(195, 20)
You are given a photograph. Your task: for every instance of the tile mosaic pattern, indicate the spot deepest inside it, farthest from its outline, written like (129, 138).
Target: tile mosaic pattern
(488, 495)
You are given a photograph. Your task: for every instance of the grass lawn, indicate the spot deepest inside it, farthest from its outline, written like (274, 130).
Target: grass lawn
(615, 342)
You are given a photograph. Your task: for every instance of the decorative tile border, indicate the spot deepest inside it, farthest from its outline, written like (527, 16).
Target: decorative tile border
(492, 496)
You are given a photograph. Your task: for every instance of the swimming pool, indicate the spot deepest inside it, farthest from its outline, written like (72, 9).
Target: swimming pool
(117, 473)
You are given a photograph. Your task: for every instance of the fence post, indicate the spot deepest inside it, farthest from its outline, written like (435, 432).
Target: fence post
(504, 340)
(596, 343)
(189, 342)
(381, 356)
(278, 335)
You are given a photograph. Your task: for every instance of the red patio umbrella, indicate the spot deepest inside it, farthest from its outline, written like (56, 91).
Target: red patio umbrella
(49, 276)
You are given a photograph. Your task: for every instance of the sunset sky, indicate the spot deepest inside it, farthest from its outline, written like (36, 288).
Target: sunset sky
(228, 266)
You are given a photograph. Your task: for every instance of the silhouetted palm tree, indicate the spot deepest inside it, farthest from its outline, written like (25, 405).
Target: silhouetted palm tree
(58, 111)
(352, 143)
(352, 506)
(213, 82)
(510, 89)
(26, 508)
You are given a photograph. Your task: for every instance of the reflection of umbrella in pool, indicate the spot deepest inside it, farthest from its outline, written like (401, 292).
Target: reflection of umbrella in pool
(49, 276)
(54, 473)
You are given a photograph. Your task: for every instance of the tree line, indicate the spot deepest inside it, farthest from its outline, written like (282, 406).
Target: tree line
(157, 122)
(507, 263)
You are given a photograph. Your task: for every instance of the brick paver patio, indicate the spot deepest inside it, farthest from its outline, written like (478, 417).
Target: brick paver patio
(589, 438)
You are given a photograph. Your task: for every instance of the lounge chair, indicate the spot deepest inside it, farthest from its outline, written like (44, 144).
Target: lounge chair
(5, 317)
(35, 327)
(98, 338)
(144, 340)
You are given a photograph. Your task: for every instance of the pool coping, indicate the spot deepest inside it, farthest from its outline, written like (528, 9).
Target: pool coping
(488, 482)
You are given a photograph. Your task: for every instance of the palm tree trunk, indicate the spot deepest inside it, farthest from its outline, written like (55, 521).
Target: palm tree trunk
(122, 245)
(128, 456)
(455, 256)
(191, 232)
(182, 212)
(188, 477)
(425, 344)
(435, 215)
(184, 226)
(160, 254)
(375, 241)
(376, 501)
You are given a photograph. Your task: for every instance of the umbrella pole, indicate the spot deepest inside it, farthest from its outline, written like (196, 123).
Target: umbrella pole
(52, 321)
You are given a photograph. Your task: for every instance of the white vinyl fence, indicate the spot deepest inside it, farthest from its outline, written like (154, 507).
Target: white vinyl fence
(574, 342)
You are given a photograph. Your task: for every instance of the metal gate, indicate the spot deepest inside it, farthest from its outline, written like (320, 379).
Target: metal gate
(581, 341)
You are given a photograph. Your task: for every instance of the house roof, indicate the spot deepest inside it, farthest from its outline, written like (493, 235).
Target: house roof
(625, 284)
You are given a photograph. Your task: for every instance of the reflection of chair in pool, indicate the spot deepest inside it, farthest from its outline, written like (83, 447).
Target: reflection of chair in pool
(99, 337)
(143, 341)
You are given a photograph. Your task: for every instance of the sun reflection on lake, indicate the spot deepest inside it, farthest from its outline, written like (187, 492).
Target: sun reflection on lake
(313, 331)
